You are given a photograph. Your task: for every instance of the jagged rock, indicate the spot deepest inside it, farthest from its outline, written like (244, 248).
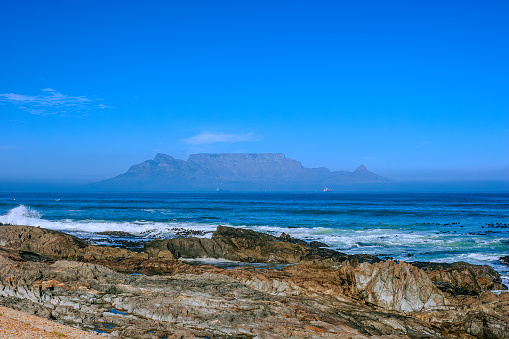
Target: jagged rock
(398, 286)
(461, 278)
(504, 260)
(287, 238)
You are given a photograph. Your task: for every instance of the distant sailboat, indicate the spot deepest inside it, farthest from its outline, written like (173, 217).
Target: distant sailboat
(326, 189)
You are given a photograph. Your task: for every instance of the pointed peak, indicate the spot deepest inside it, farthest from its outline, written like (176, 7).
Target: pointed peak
(361, 168)
(162, 157)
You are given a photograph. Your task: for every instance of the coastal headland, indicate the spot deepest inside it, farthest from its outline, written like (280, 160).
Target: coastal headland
(318, 292)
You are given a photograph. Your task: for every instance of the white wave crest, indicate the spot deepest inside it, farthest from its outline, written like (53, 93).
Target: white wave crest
(23, 215)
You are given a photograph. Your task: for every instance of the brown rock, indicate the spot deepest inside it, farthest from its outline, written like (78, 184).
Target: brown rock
(397, 286)
(315, 299)
(394, 286)
(247, 246)
(39, 244)
(44, 242)
(461, 278)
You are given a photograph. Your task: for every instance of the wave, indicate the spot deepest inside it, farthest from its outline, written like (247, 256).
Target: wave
(23, 215)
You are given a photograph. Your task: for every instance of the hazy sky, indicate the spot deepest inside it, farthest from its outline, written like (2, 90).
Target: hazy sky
(411, 89)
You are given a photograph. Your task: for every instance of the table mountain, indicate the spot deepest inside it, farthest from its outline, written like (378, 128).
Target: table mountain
(232, 171)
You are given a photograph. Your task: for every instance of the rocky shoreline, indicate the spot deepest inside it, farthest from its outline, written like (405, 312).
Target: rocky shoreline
(321, 293)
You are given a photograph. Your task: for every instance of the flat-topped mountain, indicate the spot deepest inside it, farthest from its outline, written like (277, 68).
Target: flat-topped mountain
(231, 171)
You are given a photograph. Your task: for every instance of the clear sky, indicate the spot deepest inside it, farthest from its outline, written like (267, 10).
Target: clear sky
(411, 89)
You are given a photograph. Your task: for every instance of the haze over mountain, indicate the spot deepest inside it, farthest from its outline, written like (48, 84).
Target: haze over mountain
(232, 171)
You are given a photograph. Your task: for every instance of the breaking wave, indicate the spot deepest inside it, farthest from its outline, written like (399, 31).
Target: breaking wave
(23, 215)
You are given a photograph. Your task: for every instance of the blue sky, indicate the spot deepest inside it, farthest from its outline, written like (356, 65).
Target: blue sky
(411, 89)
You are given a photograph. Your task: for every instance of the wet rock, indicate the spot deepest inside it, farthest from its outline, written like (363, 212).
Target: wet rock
(316, 244)
(505, 260)
(461, 278)
(185, 233)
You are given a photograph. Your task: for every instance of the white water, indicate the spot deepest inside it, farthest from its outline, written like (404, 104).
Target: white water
(23, 215)
(374, 239)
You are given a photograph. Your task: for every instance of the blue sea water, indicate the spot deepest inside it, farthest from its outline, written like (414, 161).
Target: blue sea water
(405, 226)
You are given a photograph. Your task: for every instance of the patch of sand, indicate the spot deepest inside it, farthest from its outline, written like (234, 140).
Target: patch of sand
(19, 325)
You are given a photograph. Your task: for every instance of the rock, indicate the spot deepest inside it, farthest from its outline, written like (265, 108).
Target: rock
(53, 245)
(315, 299)
(317, 244)
(45, 242)
(200, 304)
(390, 285)
(287, 238)
(247, 246)
(116, 233)
(461, 278)
(396, 286)
(232, 244)
(313, 244)
(504, 260)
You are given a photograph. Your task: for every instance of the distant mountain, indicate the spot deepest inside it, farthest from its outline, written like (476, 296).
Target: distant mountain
(232, 171)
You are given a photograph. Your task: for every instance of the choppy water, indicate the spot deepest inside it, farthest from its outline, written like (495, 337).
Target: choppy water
(405, 226)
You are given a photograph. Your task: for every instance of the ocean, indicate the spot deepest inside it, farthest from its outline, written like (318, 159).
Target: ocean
(404, 226)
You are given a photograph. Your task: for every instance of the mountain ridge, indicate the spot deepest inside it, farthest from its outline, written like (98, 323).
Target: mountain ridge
(232, 171)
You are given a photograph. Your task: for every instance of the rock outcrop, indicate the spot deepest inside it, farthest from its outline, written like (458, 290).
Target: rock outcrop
(190, 305)
(247, 246)
(317, 298)
(54, 245)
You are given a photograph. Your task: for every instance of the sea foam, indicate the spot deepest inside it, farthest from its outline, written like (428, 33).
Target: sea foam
(23, 215)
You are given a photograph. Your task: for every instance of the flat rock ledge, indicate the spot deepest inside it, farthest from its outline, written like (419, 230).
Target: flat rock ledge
(324, 294)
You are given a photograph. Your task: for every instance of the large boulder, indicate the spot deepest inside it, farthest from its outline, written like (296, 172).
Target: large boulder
(392, 285)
